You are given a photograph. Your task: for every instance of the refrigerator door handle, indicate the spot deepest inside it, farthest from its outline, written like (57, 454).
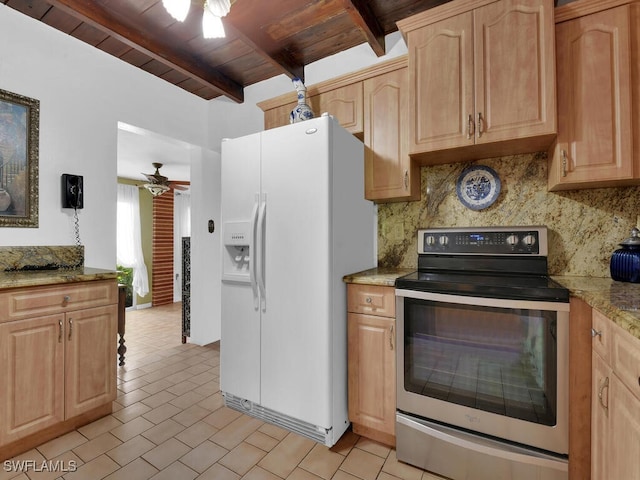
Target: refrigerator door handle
(253, 253)
(261, 248)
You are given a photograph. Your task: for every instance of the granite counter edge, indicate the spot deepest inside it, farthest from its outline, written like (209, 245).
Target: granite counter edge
(381, 276)
(36, 278)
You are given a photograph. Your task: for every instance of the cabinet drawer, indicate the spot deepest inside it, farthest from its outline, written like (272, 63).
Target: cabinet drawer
(38, 301)
(625, 358)
(601, 335)
(371, 299)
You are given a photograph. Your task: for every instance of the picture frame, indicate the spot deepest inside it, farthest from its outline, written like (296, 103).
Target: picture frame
(19, 154)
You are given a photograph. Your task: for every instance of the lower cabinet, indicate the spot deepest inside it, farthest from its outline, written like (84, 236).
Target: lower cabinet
(32, 366)
(372, 361)
(615, 419)
(57, 367)
(90, 360)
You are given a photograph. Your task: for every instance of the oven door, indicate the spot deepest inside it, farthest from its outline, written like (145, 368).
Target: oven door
(492, 366)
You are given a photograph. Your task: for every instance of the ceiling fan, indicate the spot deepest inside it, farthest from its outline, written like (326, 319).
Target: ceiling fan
(158, 183)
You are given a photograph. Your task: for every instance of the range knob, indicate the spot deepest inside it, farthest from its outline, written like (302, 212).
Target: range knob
(512, 240)
(443, 240)
(529, 240)
(430, 240)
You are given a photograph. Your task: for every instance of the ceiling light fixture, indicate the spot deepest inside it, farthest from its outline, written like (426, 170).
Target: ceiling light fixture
(178, 9)
(156, 189)
(214, 10)
(212, 22)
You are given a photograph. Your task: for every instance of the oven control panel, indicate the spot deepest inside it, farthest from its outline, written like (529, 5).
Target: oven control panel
(484, 241)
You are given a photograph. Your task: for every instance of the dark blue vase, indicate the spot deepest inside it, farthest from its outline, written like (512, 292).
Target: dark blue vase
(625, 262)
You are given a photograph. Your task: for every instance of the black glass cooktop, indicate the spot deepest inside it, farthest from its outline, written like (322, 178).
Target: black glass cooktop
(488, 285)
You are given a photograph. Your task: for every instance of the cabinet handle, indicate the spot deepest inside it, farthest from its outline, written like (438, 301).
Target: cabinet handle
(59, 331)
(368, 300)
(601, 395)
(471, 127)
(563, 152)
(406, 179)
(66, 299)
(479, 125)
(70, 328)
(391, 337)
(596, 333)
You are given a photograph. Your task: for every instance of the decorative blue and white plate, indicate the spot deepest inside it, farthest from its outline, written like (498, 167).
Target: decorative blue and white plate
(478, 187)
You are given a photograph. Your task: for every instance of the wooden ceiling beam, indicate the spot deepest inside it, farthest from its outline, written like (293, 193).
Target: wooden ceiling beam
(171, 55)
(262, 45)
(366, 22)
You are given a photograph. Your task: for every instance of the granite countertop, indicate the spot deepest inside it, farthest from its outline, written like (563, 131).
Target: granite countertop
(34, 278)
(619, 301)
(377, 276)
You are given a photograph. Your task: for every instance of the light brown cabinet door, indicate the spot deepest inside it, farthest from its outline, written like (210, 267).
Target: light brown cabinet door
(441, 79)
(90, 358)
(624, 433)
(389, 172)
(31, 376)
(594, 142)
(343, 103)
(372, 373)
(600, 389)
(514, 70)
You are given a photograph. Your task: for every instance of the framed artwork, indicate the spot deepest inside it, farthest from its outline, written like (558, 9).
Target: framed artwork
(19, 133)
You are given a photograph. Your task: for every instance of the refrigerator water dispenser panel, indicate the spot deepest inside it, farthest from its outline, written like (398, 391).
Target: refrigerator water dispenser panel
(236, 238)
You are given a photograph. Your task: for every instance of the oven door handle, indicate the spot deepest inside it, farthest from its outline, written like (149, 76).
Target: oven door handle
(483, 445)
(481, 301)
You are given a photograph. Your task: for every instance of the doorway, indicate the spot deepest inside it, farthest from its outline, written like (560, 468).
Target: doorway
(139, 153)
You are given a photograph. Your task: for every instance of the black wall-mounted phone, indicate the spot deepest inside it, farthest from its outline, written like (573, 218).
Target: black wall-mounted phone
(72, 191)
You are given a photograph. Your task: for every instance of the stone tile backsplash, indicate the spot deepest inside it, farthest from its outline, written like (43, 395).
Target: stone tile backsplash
(585, 226)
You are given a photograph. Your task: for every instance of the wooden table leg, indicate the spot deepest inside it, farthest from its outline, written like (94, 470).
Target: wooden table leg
(122, 300)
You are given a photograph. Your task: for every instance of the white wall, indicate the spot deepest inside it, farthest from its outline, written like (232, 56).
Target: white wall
(205, 258)
(83, 93)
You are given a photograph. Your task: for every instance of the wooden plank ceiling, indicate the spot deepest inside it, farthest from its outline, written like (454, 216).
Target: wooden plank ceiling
(264, 38)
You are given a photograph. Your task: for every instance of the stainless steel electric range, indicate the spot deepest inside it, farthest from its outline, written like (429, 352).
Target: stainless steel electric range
(482, 370)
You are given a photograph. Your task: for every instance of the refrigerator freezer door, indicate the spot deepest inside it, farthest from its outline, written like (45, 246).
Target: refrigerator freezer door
(240, 333)
(295, 370)
(240, 343)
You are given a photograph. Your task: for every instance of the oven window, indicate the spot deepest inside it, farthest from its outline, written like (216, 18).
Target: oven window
(499, 360)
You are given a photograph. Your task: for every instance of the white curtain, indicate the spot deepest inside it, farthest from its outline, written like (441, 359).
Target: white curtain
(129, 241)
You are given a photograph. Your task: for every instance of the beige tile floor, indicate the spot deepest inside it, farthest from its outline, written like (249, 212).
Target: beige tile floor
(169, 422)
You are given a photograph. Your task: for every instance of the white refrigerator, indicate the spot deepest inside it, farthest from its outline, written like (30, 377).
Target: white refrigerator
(294, 222)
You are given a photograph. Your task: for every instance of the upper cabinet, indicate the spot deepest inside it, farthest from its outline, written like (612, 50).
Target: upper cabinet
(341, 98)
(390, 174)
(598, 97)
(372, 104)
(481, 79)
(343, 103)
